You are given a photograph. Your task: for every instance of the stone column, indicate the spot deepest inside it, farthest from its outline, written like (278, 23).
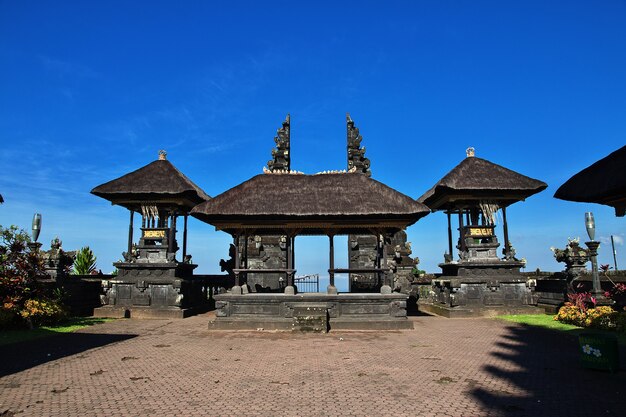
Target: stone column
(386, 288)
(130, 232)
(185, 239)
(505, 229)
(450, 248)
(237, 287)
(289, 289)
(331, 286)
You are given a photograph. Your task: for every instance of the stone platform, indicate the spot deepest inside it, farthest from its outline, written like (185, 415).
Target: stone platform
(487, 296)
(147, 312)
(318, 312)
(477, 311)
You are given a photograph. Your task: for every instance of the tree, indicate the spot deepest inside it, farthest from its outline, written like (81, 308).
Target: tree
(85, 261)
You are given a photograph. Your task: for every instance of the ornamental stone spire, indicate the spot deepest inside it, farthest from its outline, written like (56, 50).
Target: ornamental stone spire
(356, 153)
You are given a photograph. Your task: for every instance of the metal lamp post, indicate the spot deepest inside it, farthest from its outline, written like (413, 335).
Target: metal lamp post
(593, 245)
(34, 245)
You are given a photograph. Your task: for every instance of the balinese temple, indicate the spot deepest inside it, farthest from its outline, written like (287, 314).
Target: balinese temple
(291, 204)
(482, 280)
(151, 280)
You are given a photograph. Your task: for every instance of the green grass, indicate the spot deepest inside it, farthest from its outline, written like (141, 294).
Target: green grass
(8, 337)
(547, 322)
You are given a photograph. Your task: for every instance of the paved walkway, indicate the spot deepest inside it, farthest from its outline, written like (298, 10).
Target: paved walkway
(444, 367)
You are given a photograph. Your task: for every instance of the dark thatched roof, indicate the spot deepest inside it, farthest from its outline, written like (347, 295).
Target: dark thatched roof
(159, 181)
(315, 202)
(477, 179)
(603, 182)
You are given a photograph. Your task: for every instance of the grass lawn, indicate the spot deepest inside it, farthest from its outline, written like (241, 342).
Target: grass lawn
(8, 337)
(547, 322)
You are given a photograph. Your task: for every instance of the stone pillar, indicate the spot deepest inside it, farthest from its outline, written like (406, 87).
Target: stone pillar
(450, 249)
(331, 286)
(505, 229)
(386, 288)
(130, 232)
(185, 239)
(237, 287)
(289, 255)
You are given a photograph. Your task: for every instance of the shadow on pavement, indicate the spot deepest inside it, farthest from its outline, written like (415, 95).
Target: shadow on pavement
(20, 356)
(544, 365)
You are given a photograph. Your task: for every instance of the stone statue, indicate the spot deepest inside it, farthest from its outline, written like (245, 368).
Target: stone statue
(229, 265)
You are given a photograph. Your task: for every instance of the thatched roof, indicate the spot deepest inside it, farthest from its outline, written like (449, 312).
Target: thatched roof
(159, 181)
(603, 182)
(317, 203)
(476, 179)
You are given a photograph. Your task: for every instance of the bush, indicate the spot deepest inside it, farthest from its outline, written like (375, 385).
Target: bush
(601, 317)
(571, 314)
(38, 312)
(8, 318)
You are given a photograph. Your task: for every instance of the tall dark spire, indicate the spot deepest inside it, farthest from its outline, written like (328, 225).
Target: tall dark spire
(356, 153)
(281, 159)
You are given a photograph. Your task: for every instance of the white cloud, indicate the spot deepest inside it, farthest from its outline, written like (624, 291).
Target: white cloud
(617, 239)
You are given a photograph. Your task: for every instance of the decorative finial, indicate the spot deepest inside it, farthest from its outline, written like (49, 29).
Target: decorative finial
(281, 160)
(356, 152)
(470, 152)
(162, 155)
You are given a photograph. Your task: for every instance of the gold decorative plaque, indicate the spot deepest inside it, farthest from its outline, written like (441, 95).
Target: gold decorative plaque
(154, 234)
(480, 231)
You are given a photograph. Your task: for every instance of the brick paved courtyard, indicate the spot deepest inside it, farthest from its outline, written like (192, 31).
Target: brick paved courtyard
(444, 367)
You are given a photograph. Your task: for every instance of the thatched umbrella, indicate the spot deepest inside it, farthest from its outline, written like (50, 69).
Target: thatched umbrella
(603, 182)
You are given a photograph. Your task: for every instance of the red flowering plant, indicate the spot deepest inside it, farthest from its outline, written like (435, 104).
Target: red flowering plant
(19, 268)
(618, 295)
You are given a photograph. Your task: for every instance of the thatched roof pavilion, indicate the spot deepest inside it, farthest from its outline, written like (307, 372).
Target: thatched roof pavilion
(158, 191)
(603, 182)
(297, 204)
(477, 186)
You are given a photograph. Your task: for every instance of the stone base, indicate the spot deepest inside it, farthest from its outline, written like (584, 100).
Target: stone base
(477, 311)
(311, 312)
(138, 312)
(283, 324)
(154, 290)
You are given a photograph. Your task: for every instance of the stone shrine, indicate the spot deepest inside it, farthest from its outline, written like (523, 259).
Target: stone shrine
(479, 282)
(151, 282)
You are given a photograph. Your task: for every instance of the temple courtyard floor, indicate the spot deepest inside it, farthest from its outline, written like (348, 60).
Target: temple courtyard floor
(443, 367)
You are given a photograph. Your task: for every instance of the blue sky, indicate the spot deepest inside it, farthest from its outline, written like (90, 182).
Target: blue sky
(92, 90)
